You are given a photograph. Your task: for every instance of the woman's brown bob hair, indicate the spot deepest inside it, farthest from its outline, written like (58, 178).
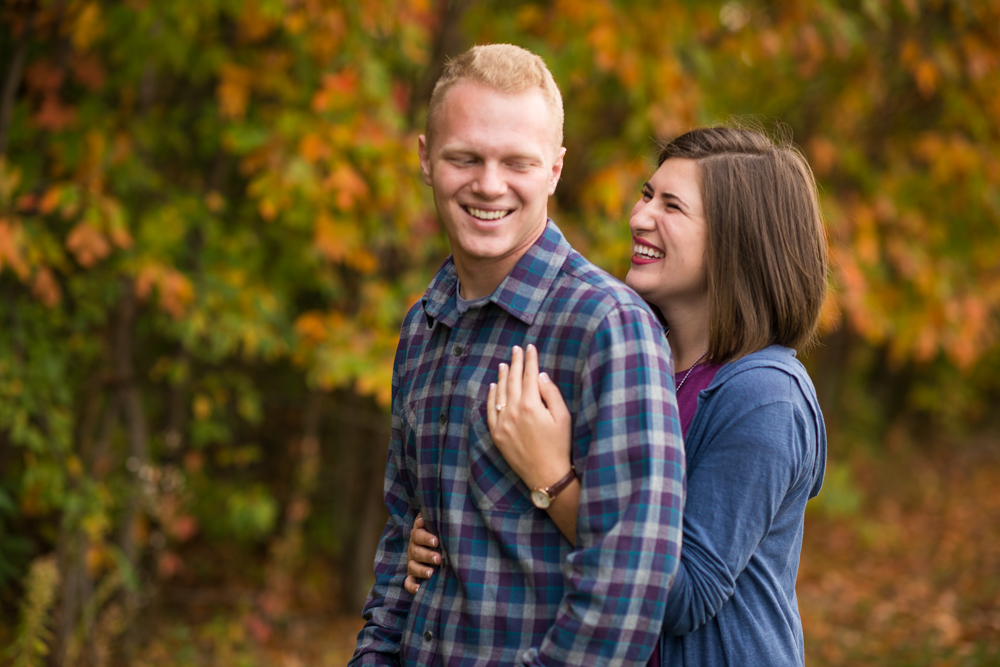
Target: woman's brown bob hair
(767, 250)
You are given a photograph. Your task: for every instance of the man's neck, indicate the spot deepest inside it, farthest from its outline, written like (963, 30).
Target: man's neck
(480, 279)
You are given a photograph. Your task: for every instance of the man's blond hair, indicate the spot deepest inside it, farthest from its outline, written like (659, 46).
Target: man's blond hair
(503, 67)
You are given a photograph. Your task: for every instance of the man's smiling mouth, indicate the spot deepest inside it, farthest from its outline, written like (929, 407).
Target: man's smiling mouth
(485, 215)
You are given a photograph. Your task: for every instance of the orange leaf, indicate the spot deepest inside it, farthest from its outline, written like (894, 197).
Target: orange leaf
(822, 155)
(347, 185)
(175, 290)
(45, 288)
(50, 200)
(338, 91)
(311, 327)
(335, 240)
(54, 115)
(88, 71)
(313, 148)
(88, 245)
(27, 202)
(43, 76)
(10, 253)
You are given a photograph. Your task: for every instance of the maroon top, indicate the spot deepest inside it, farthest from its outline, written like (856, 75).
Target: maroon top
(687, 404)
(687, 396)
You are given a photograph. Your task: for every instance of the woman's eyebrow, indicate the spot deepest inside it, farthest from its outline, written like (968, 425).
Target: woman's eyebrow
(671, 197)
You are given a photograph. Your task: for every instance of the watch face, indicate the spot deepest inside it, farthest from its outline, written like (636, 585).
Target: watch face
(541, 499)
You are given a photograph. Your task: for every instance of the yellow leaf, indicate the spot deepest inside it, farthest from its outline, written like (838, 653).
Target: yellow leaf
(927, 76)
(233, 90)
(87, 27)
(311, 327)
(202, 407)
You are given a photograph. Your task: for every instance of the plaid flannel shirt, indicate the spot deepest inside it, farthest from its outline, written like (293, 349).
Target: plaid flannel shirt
(510, 589)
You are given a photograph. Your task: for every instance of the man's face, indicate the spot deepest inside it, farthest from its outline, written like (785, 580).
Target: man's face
(493, 165)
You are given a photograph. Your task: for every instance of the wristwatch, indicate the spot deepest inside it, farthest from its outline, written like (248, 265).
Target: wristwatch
(543, 496)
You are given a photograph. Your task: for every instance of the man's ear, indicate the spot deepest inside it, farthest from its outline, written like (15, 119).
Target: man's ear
(425, 158)
(557, 167)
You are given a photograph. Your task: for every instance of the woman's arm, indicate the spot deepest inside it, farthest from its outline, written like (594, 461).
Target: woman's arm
(533, 433)
(532, 430)
(747, 469)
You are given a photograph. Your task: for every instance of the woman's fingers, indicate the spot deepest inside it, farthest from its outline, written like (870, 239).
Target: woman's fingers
(491, 406)
(419, 556)
(423, 555)
(514, 376)
(553, 399)
(501, 388)
(529, 383)
(418, 570)
(423, 538)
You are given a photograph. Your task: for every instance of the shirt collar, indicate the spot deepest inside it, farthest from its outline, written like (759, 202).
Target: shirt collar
(521, 293)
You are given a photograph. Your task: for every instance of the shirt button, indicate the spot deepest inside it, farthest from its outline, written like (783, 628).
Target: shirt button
(443, 418)
(428, 636)
(457, 350)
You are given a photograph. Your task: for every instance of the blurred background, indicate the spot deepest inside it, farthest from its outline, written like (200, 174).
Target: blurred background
(212, 222)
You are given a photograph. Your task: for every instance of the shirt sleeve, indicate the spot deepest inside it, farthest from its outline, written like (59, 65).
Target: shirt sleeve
(388, 603)
(740, 474)
(628, 451)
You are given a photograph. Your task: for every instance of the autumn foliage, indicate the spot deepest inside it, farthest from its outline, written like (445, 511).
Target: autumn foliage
(212, 222)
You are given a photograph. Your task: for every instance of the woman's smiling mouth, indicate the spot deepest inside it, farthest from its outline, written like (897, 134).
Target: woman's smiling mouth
(645, 250)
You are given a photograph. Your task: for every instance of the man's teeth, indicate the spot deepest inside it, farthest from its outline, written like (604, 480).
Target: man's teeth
(486, 215)
(646, 251)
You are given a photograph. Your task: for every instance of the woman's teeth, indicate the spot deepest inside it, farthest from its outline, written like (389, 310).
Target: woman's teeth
(647, 251)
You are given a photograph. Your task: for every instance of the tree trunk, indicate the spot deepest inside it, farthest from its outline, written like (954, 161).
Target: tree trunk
(137, 433)
(286, 551)
(13, 79)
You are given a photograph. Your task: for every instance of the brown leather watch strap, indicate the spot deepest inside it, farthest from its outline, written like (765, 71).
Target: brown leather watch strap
(554, 490)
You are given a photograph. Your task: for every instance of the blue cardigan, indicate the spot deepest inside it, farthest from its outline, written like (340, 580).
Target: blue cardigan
(756, 452)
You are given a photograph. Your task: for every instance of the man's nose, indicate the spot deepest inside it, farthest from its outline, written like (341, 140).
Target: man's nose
(490, 182)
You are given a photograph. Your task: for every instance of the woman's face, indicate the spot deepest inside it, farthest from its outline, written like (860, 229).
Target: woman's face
(669, 236)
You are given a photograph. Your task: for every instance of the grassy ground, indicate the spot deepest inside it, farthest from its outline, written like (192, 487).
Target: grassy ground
(910, 576)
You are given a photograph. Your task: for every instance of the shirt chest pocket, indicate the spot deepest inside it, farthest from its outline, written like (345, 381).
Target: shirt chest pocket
(493, 485)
